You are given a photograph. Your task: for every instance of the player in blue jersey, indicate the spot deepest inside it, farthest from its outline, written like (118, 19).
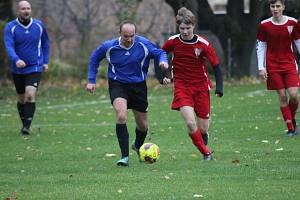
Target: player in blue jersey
(128, 60)
(27, 45)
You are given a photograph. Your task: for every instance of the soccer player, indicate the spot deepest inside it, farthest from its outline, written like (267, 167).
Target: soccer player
(128, 58)
(27, 45)
(276, 60)
(191, 81)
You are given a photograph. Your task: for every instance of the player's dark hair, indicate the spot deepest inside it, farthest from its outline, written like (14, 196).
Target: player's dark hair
(186, 16)
(274, 1)
(127, 22)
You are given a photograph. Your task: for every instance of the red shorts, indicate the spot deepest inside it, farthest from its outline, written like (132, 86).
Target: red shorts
(199, 99)
(282, 80)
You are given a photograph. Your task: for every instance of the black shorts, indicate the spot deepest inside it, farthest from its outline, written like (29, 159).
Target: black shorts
(134, 93)
(23, 80)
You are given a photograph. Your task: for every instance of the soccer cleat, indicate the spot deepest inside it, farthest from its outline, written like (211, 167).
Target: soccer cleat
(123, 162)
(133, 147)
(291, 133)
(207, 157)
(205, 137)
(24, 131)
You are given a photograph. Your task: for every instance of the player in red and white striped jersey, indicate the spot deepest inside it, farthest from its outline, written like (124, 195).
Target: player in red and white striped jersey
(276, 60)
(191, 81)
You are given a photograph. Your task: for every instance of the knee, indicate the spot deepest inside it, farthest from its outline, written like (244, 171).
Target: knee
(192, 126)
(294, 98)
(121, 117)
(283, 99)
(143, 127)
(30, 97)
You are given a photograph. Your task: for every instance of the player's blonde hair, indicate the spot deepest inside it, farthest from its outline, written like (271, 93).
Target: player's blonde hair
(185, 16)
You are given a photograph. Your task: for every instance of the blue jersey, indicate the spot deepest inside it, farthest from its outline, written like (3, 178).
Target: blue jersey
(126, 65)
(29, 43)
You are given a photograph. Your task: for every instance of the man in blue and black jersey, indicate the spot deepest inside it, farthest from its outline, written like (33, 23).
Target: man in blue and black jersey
(27, 45)
(128, 61)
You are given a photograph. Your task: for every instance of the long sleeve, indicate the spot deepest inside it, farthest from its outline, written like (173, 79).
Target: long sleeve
(10, 44)
(45, 46)
(261, 49)
(95, 59)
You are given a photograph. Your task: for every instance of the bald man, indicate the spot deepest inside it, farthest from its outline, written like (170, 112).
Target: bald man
(27, 45)
(128, 58)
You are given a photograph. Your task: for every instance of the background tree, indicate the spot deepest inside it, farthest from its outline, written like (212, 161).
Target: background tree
(6, 14)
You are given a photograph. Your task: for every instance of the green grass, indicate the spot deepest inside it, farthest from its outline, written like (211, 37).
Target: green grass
(65, 156)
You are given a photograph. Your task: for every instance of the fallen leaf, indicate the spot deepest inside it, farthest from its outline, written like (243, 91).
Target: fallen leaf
(166, 177)
(277, 141)
(236, 162)
(198, 195)
(110, 155)
(120, 191)
(279, 149)
(89, 149)
(265, 141)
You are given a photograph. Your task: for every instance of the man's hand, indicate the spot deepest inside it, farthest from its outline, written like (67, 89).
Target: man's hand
(166, 81)
(45, 66)
(263, 74)
(164, 66)
(91, 87)
(20, 64)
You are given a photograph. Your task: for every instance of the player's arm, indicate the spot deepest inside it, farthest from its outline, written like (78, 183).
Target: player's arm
(219, 80)
(45, 44)
(95, 59)
(10, 46)
(213, 59)
(261, 49)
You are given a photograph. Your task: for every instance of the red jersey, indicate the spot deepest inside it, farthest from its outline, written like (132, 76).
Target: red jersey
(189, 60)
(279, 38)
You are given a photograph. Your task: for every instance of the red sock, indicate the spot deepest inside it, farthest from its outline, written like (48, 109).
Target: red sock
(287, 117)
(293, 107)
(199, 143)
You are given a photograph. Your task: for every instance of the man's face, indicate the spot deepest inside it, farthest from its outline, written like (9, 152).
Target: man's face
(24, 11)
(127, 35)
(186, 31)
(277, 9)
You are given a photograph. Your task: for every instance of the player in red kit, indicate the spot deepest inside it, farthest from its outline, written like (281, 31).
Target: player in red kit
(191, 81)
(276, 60)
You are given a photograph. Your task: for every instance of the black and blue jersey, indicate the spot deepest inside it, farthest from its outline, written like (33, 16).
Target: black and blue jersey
(29, 43)
(126, 65)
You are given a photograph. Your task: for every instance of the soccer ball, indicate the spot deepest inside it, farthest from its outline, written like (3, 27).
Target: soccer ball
(149, 153)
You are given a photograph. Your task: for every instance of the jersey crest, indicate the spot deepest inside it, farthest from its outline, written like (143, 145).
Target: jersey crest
(290, 29)
(197, 52)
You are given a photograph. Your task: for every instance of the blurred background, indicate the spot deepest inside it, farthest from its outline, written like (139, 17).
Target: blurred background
(76, 27)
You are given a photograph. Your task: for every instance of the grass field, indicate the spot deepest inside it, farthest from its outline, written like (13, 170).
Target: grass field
(69, 153)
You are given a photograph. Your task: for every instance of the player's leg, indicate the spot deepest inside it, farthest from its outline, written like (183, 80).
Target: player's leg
(203, 125)
(202, 110)
(118, 99)
(31, 85)
(141, 129)
(285, 110)
(139, 104)
(189, 118)
(120, 106)
(19, 83)
(293, 104)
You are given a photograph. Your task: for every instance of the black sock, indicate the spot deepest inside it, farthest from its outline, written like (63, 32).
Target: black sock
(20, 107)
(139, 138)
(123, 136)
(29, 109)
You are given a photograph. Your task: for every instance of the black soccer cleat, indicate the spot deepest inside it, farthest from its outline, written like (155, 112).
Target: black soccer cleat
(25, 131)
(208, 157)
(291, 133)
